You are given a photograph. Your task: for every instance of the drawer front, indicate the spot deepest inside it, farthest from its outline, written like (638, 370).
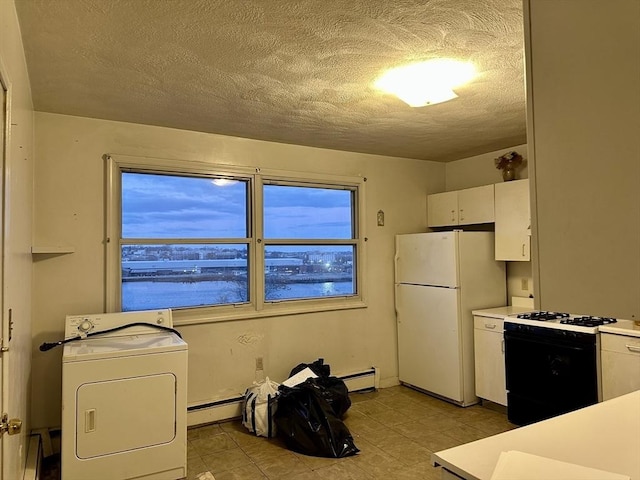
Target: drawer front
(620, 344)
(491, 324)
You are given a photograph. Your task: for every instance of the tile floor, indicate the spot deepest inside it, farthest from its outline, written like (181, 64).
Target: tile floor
(396, 430)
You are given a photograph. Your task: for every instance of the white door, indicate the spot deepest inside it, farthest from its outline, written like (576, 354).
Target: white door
(15, 335)
(427, 259)
(429, 354)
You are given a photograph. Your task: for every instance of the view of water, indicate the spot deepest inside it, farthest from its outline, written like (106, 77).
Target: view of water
(151, 295)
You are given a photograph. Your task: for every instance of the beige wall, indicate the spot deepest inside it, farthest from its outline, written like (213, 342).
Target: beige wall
(481, 170)
(69, 210)
(583, 79)
(18, 198)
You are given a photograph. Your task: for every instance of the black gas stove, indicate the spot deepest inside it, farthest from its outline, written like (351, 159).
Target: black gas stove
(552, 363)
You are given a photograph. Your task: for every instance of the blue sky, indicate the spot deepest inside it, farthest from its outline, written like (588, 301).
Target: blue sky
(159, 206)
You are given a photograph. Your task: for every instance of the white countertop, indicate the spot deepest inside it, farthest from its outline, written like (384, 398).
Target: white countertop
(605, 436)
(622, 327)
(501, 312)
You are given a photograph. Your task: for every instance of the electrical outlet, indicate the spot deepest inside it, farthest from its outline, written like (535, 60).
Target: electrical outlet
(525, 284)
(259, 365)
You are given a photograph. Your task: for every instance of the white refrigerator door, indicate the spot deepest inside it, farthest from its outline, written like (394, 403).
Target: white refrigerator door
(427, 259)
(429, 350)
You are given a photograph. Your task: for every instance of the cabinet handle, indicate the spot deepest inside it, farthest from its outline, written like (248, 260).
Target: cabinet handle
(461, 214)
(633, 348)
(490, 325)
(502, 345)
(453, 215)
(523, 245)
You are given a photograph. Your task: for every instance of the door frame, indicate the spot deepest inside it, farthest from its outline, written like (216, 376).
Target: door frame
(5, 133)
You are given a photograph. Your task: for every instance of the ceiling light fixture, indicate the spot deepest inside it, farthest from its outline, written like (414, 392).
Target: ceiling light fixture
(428, 82)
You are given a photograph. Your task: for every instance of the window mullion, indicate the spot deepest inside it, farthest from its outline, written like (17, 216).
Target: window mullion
(258, 267)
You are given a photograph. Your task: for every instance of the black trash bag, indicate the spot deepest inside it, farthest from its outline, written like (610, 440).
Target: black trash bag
(318, 367)
(308, 424)
(334, 390)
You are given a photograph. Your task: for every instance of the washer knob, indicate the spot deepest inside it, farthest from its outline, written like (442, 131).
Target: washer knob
(85, 325)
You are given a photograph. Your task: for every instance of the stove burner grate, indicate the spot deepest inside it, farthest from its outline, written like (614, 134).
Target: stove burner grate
(543, 316)
(588, 321)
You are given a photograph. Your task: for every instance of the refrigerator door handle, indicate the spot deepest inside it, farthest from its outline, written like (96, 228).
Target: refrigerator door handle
(395, 302)
(396, 257)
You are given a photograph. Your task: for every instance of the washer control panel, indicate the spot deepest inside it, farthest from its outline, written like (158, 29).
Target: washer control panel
(76, 325)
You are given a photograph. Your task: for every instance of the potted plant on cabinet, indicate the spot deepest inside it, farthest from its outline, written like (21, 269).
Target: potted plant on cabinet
(509, 163)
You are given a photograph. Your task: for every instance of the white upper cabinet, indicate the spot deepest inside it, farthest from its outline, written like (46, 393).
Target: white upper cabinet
(442, 209)
(461, 207)
(513, 221)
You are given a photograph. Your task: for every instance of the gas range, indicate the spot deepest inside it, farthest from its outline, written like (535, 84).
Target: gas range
(561, 321)
(552, 364)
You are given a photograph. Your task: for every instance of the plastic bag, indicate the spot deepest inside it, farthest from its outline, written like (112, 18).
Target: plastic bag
(334, 390)
(308, 424)
(318, 367)
(259, 407)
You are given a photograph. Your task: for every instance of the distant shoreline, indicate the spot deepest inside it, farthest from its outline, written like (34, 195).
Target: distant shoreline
(280, 279)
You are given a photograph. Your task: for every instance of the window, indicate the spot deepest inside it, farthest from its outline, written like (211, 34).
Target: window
(193, 238)
(309, 241)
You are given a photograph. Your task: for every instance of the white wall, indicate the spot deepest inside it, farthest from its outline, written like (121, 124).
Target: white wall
(18, 198)
(481, 170)
(69, 210)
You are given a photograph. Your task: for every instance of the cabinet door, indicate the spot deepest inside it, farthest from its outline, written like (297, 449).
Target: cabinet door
(489, 359)
(513, 221)
(620, 365)
(475, 205)
(442, 209)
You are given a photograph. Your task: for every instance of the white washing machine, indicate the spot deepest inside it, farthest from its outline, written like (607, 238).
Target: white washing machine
(124, 398)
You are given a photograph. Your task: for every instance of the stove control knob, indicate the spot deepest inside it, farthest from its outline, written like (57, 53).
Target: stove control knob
(85, 325)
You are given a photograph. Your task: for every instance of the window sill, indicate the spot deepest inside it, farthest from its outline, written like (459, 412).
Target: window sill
(212, 315)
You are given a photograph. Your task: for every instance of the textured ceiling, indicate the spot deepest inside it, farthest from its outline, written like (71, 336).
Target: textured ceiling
(292, 71)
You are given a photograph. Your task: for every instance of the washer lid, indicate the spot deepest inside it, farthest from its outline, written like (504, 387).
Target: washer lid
(111, 347)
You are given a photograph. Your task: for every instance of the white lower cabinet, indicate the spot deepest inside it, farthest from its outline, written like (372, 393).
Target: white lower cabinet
(489, 359)
(620, 357)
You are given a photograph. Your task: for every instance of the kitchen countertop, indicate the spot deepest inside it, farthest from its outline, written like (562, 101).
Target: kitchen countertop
(604, 436)
(622, 327)
(498, 312)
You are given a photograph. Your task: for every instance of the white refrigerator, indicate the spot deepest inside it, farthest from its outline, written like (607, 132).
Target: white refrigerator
(440, 278)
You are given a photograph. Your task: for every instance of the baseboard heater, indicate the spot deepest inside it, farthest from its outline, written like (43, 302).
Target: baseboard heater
(228, 408)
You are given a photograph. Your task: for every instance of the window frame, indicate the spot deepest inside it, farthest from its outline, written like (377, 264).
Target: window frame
(257, 306)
